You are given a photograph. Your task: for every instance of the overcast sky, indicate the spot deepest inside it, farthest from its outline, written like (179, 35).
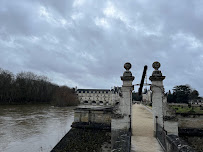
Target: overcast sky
(85, 43)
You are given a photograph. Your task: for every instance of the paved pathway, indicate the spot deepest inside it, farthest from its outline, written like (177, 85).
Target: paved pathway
(142, 131)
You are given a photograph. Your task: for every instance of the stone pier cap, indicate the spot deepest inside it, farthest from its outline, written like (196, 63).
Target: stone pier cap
(127, 75)
(156, 74)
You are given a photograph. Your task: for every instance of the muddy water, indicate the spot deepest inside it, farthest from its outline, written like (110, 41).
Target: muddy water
(33, 128)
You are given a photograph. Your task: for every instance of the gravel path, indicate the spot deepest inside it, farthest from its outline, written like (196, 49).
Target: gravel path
(142, 131)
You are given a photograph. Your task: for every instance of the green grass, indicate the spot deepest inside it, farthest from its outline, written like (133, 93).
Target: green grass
(184, 109)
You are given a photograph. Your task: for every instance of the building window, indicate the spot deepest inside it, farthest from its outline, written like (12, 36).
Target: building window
(94, 102)
(101, 102)
(85, 102)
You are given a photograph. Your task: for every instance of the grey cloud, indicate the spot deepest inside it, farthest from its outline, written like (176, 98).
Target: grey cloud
(88, 43)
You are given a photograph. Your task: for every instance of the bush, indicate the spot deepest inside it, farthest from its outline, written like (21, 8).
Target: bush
(64, 96)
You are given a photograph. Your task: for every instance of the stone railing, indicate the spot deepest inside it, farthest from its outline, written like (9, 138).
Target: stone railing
(171, 143)
(175, 144)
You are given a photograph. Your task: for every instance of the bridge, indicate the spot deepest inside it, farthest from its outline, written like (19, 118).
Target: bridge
(124, 127)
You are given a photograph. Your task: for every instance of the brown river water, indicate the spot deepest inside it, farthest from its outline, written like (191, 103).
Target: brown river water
(33, 128)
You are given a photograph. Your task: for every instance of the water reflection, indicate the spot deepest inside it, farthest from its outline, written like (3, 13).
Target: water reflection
(33, 128)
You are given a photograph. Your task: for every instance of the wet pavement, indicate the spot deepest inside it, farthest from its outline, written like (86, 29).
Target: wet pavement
(142, 131)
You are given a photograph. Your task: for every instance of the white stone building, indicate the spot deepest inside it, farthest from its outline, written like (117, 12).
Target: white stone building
(147, 97)
(99, 96)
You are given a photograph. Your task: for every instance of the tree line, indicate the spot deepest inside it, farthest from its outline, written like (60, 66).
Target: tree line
(136, 96)
(182, 94)
(27, 87)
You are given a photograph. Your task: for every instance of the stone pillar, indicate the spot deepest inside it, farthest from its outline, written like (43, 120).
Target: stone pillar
(127, 88)
(157, 89)
(121, 119)
(164, 117)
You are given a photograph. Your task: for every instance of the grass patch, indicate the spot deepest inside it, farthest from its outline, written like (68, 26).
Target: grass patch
(184, 109)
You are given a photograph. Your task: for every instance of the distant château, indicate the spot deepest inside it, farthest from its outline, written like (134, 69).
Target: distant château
(99, 96)
(147, 97)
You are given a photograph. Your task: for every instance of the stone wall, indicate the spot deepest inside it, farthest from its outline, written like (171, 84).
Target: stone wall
(94, 117)
(190, 120)
(171, 127)
(175, 144)
(120, 141)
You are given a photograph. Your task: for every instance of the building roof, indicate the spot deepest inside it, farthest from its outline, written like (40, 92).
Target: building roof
(116, 89)
(93, 89)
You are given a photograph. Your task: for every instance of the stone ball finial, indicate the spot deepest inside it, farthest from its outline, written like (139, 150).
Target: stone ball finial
(127, 66)
(156, 65)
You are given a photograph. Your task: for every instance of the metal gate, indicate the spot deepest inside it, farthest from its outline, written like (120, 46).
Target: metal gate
(161, 136)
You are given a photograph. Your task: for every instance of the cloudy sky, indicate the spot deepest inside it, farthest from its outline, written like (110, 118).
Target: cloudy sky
(85, 43)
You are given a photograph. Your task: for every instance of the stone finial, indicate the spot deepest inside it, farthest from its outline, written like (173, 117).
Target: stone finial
(127, 75)
(127, 66)
(156, 74)
(156, 65)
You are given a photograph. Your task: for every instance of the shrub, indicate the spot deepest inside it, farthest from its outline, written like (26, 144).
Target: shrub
(64, 96)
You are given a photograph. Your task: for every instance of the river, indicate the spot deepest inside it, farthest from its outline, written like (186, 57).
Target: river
(33, 128)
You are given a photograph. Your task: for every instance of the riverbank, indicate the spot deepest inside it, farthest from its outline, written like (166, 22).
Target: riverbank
(84, 140)
(27, 87)
(34, 104)
(28, 103)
